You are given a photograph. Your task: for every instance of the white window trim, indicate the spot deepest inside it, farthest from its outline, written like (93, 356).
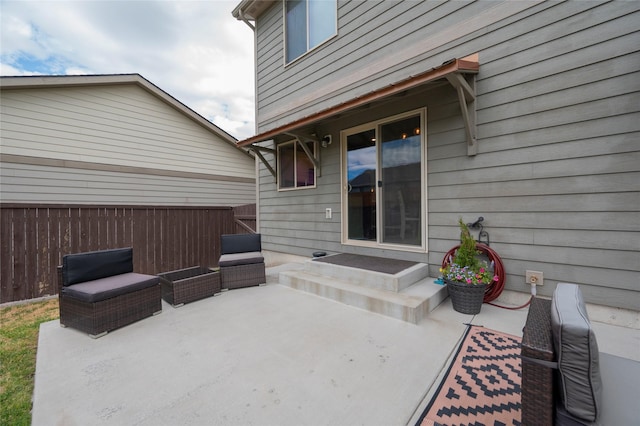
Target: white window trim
(309, 50)
(295, 153)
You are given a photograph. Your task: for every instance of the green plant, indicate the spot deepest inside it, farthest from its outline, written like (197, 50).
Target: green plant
(19, 326)
(465, 266)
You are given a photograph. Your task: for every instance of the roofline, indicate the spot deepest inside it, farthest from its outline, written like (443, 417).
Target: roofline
(469, 65)
(53, 81)
(251, 9)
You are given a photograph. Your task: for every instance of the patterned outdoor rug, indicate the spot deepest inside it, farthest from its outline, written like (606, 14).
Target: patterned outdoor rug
(482, 384)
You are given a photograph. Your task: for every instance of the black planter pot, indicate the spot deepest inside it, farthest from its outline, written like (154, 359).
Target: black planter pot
(466, 298)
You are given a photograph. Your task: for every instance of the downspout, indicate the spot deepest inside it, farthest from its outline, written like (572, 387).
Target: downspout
(246, 21)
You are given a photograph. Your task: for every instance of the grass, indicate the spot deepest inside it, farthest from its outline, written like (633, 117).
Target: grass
(19, 327)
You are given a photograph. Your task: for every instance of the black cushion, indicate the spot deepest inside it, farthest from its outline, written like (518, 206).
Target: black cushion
(240, 243)
(89, 266)
(109, 287)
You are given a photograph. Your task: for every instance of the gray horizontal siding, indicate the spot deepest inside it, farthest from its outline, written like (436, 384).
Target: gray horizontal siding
(24, 183)
(557, 176)
(122, 125)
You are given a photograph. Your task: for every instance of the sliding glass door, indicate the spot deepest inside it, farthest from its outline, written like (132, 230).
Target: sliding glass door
(384, 182)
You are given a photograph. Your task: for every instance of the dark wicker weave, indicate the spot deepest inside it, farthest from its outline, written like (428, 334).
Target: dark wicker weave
(188, 285)
(243, 275)
(537, 380)
(98, 318)
(466, 298)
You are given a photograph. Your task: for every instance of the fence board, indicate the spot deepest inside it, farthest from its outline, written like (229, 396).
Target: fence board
(6, 253)
(18, 255)
(43, 251)
(30, 252)
(34, 238)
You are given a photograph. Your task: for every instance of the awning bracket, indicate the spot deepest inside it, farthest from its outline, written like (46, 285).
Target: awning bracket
(467, 98)
(256, 150)
(312, 157)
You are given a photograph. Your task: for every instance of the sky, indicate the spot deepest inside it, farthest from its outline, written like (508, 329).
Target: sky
(193, 50)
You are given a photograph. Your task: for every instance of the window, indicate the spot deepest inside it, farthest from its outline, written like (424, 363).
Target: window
(308, 24)
(295, 168)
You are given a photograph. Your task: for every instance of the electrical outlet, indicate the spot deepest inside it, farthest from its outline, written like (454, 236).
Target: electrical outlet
(534, 277)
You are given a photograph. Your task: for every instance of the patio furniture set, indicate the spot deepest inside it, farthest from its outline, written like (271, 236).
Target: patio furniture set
(99, 292)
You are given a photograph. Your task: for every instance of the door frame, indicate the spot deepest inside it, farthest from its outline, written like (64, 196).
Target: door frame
(376, 125)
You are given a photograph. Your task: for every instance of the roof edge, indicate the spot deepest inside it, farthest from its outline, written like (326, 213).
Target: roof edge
(52, 81)
(251, 9)
(467, 65)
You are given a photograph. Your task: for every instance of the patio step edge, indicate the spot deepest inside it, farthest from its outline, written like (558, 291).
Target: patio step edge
(372, 279)
(411, 305)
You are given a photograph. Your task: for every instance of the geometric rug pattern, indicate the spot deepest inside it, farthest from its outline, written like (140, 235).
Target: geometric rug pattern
(482, 384)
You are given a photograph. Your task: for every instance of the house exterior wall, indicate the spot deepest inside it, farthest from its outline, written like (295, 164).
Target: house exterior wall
(114, 144)
(557, 172)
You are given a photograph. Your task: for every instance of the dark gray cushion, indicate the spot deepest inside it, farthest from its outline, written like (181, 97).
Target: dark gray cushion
(109, 287)
(240, 243)
(620, 377)
(235, 259)
(89, 266)
(577, 352)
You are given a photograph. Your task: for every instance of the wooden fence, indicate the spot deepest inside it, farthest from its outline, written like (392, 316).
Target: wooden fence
(34, 239)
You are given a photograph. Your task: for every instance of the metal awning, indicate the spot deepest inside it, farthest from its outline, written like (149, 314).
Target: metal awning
(453, 71)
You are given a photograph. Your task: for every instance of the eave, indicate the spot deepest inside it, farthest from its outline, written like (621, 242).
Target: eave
(453, 70)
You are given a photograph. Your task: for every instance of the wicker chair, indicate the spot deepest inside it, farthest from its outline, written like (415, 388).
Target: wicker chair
(541, 400)
(99, 292)
(241, 263)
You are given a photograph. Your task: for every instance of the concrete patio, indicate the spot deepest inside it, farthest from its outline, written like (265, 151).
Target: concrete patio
(268, 355)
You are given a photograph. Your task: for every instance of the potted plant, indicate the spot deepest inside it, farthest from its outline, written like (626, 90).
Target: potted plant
(466, 276)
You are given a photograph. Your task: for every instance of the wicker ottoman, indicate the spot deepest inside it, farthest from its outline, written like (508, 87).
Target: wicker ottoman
(190, 284)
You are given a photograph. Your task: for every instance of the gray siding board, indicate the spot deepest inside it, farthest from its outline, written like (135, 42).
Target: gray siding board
(538, 102)
(114, 144)
(579, 113)
(580, 237)
(546, 160)
(57, 123)
(362, 52)
(538, 168)
(443, 224)
(586, 184)
(550, 42)
(554, 78)
(540, 203)
(37, 184)
(620, 129)
(578, 257)
(558, 110)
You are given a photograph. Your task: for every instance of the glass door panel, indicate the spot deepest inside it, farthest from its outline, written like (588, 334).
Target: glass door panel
(361, 186)
(401, 176)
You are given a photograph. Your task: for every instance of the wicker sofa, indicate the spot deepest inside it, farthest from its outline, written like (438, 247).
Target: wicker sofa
(99, 292)
(565, 379)
(241, 263)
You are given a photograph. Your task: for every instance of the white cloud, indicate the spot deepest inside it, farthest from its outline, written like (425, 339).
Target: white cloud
(194, 50)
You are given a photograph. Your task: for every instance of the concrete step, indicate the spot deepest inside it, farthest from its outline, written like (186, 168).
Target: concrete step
(412, 304)
(371, 279)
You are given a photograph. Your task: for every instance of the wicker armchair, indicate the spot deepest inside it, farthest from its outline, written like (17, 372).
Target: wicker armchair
(99, 292)
(541, 391)
(241, 263)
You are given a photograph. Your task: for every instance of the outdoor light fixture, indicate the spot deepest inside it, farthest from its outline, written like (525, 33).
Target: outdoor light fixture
(326, 141)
